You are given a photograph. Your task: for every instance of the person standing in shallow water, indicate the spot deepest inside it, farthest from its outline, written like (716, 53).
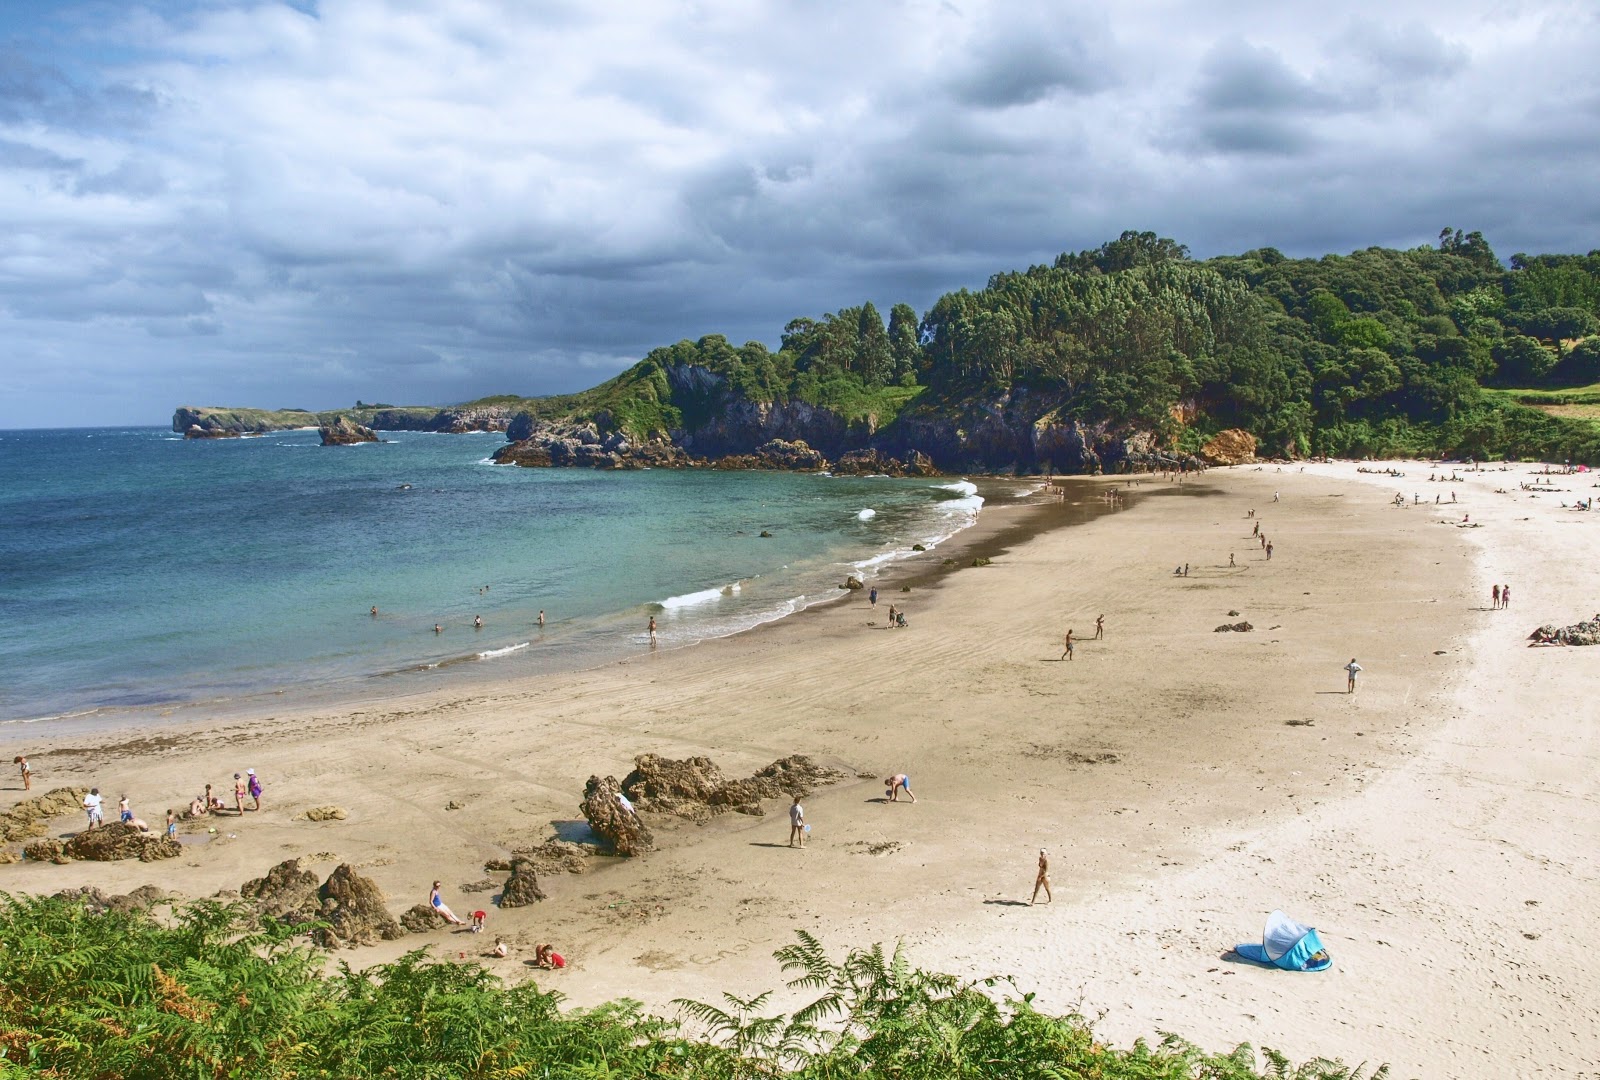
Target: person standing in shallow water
(652, 631)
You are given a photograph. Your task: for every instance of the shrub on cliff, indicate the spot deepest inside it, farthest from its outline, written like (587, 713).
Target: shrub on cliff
(121, 994)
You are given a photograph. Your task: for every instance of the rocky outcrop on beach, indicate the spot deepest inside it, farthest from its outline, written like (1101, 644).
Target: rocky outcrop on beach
(326, 813)
(218, 423)
(1234, 628)
(342, 431)
(285, 892)
(522, 888)
(354, 909)
(555, 857)
(696, 789)
(118, 841)
(611, 820)
(45, 850)
(207, 423)
(27, 819)
(1579, 633)
(1232, 447)
(421, 918)
(96, 902)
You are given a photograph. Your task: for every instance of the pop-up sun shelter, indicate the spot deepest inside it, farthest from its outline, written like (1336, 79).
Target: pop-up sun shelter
(1287, 944)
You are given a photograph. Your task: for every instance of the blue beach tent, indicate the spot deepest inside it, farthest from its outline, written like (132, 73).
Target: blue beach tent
(1287, 944)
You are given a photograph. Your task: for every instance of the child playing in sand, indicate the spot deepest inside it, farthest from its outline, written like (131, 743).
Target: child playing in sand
(500, 948)
(896, 784)
(172, 825)
(545, 956)
(27, 773)
(124, 814)
(478, 918)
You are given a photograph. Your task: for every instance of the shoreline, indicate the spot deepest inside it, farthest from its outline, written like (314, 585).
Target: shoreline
(1185, 781)
(469, 671)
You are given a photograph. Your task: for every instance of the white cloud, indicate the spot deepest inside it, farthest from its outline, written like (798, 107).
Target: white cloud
(431, 199)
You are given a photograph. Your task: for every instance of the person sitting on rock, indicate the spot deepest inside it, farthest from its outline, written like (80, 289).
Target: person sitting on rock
(438, 905)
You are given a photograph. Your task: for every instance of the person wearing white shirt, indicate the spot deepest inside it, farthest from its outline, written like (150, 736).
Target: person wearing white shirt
(91, 806)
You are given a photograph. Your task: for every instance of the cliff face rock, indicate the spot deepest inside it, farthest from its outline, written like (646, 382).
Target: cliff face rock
(209, 423)
(584, 444)
(1231, 447)
(342, 431)
(777, 454)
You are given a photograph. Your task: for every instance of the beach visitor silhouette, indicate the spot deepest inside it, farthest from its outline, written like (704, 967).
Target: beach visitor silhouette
(1042, 880)
(1352, 669)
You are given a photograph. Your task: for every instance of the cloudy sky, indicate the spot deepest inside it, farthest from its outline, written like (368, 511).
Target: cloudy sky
(302, 202)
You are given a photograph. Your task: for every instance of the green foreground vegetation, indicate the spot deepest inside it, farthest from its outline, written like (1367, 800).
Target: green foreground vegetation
(127, 996)
(1381, 352)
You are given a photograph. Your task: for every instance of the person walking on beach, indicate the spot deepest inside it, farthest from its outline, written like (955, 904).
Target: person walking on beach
(1067, 654)
(239, 789)
(896, 784)
(255, 788)
(1230, 561)
(1505, 596)
(437, 903)
(91, 807)
(1352, 669)
(1494, 598)
(797, 823)
(1269, 551)
(652, 631)
(872, 597)
(891, 616)
(27, 772)
(1042, 880)
(1099, 627)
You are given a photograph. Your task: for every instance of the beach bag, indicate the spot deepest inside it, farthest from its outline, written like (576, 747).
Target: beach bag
(1288, 945)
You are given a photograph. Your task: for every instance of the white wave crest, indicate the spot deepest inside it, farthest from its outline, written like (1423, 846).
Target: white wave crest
(507, 651)
(704, 596)
(867, 515)
(965, 487)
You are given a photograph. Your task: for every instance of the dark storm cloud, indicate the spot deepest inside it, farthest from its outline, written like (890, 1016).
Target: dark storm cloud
(300, 204)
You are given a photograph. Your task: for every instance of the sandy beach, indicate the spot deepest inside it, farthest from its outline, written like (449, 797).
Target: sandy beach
(1438, 826)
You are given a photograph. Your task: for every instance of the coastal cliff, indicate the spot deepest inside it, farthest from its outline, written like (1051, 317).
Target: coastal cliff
(220, 423)
(722, 428)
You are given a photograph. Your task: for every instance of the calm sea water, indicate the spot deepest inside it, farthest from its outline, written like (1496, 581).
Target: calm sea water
(138, 570)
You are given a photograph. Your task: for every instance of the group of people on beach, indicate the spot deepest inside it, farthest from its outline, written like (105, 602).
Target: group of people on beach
(1499, 597)
(246, 784)
(544, 955)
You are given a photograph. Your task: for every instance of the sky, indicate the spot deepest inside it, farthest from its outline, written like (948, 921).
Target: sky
(298, 204)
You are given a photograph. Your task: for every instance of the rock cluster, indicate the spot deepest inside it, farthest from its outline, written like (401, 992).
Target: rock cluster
(1237, 627)
(96, 902)
(352, 906)
(778, 455)
(1579, 633)
(326, 813)
(588, 443)
(613, 822)
(342, 431)
(421, 918)
(696, 789)
(26, 819)
(522, 888)
(116, 841)
(552, 857)
(874, 463)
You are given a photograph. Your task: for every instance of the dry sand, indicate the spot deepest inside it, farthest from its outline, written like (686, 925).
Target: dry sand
(1438, 826)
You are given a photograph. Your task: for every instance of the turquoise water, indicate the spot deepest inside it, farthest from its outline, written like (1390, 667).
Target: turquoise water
(138, 570)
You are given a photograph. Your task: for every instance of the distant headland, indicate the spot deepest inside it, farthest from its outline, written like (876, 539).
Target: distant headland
(1127, 356)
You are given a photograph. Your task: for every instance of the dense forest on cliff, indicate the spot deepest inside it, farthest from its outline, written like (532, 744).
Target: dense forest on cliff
(1430, 350)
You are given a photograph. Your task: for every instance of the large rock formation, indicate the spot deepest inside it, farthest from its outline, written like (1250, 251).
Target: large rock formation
(117, 841)
(696, 789)
(522, 888)
(777, 455)
(354, 909)
(209, 423)
(342, 431)
(611, 820)
(1579, 633)
(585, 443)
(874, 463)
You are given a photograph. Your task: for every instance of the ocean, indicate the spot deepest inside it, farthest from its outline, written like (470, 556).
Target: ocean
(139, 571)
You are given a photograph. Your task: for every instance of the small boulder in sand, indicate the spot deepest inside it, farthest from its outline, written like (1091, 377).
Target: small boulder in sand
(421, 918)
(611, 821)
(1238, 627)
(46, 850)
(327, 813)
(118, 840)
(522, 888)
